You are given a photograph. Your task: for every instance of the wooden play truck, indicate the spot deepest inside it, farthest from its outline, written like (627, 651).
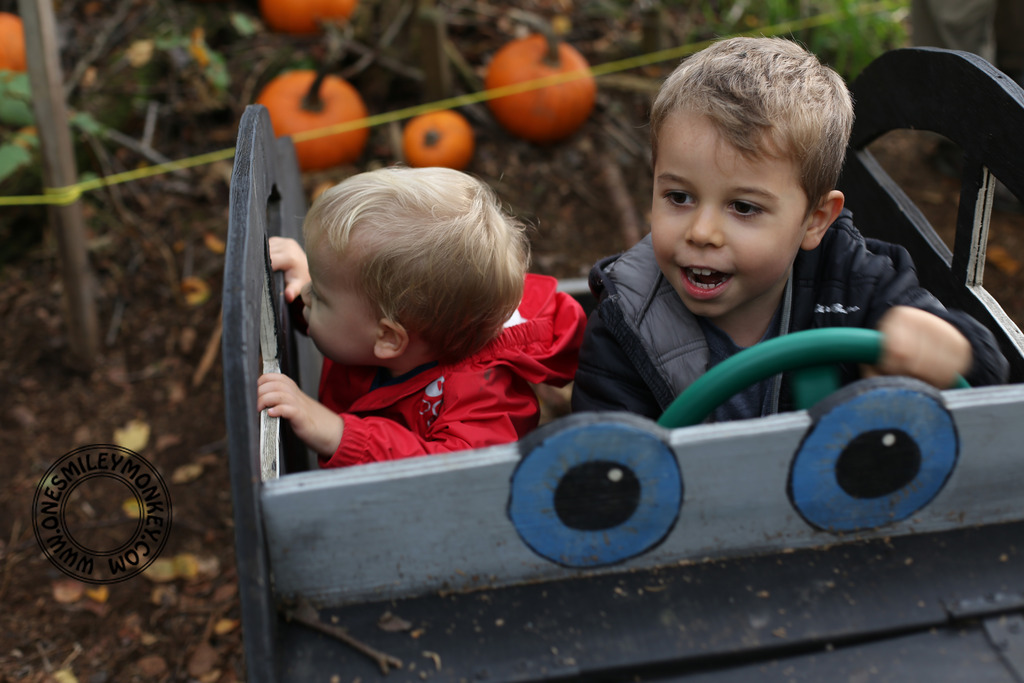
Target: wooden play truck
(876, 534)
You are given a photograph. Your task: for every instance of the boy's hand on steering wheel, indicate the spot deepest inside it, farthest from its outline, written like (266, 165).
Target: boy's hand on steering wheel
(921, 345)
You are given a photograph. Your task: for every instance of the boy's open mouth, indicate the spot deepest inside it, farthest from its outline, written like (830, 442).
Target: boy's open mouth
(705, 278)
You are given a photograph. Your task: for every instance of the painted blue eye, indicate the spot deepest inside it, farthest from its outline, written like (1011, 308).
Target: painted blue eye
(878, 451)
(595, 490)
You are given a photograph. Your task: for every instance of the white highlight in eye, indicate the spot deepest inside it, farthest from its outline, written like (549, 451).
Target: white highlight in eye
(889, 439)
(615, 474)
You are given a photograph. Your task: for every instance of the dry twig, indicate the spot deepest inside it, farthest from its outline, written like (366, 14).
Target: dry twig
(212, 347)
(611, 176)
(305, 614)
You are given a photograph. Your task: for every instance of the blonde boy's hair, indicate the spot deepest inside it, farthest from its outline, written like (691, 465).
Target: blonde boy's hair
(430, 249)
(767, 97)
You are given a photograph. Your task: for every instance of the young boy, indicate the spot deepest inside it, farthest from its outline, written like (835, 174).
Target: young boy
(415, 290)
(749, 240)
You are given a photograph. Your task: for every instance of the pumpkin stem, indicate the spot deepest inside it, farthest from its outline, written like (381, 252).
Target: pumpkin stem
(545, 29)
(335, 37)
(312, 102)
(551, 58)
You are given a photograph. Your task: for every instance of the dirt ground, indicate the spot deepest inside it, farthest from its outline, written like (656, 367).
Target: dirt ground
(155, 247)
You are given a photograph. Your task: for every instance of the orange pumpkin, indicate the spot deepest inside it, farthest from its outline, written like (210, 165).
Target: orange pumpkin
(301, 16)
(544, 114)
(440, 138)
(303, 100)
(12, 42)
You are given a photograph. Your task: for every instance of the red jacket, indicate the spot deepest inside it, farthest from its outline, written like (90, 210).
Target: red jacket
(483, 400)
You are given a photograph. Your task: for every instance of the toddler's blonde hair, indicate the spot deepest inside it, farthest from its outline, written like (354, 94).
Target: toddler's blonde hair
(766, 97)
(431, 249)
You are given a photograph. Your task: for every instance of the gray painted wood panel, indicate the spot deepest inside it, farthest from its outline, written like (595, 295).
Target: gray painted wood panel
(441, 522)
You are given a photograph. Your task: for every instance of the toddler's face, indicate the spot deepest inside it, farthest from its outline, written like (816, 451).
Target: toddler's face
(725, 228)
(341, 323)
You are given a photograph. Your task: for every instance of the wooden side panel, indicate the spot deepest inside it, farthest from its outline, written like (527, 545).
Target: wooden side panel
(442, 522)
(252, 183)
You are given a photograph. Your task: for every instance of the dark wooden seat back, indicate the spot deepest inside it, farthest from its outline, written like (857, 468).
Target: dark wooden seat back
(266, 199)
(965, 99)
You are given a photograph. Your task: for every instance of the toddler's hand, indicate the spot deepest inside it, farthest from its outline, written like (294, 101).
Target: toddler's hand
(318, 426)
(286, 255)
(922, 345)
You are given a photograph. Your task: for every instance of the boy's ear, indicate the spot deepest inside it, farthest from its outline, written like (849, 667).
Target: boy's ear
(392, 340)
(821, 217)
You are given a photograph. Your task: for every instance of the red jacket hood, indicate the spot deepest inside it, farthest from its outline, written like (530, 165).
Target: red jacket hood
(542, 340)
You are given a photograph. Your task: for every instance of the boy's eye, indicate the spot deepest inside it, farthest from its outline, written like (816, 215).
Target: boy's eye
(677, 197)
(745, 208)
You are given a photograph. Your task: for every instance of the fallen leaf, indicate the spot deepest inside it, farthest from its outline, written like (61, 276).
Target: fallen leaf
(393, 624)
(98, 594)
(186, 565)
(225, 592)
(67, 591)
(24, 416)
(187, 339)
(214, 243)
(161, 571)
(89, 77)
(1002, 260)
(196, 290)
(164, 595)
(202, 660)
(225, 626)
(64, 676)
(176, 394)
(134, 436)
(434, 657)
(187, 473)
(139, 53)
(151, 666)
(208, 567)
(131, 508)
(197, 47)
(99, 609)
(165, 441)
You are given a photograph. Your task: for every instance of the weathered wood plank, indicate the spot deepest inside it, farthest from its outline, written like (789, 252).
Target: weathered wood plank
(442, 522)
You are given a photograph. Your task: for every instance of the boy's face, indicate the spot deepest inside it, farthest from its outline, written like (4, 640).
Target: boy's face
(726, 228)
(340, 321)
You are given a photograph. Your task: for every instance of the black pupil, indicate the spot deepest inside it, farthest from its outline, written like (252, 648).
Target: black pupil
(597, 495)
(878, 463)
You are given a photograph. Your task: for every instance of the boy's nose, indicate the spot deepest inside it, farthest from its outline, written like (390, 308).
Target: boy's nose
(705, 230)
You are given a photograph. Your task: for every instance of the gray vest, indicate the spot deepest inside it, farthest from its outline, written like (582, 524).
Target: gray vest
(668, 332)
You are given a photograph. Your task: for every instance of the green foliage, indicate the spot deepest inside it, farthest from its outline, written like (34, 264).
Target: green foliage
(244, 24)
(18, 141)
(848, 44)
(12, 157)
(15, 100)
(211, 63)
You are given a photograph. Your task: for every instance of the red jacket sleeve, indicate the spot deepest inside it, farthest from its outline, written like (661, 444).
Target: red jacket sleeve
(481, 407)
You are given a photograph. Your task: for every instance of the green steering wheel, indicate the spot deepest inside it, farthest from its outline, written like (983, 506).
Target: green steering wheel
(810, 355)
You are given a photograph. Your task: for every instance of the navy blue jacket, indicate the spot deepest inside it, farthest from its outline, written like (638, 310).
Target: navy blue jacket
(642, 347)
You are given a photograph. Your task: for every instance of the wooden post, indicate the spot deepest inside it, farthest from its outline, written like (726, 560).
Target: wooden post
(432, 32)
(59, 171)
(655, 26)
